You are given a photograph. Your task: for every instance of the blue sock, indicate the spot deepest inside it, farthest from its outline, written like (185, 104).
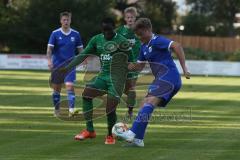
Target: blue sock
(140, 124)
(56, 99)
(71, 98)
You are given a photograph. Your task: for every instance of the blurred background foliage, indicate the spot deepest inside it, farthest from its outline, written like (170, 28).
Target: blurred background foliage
(25, 25)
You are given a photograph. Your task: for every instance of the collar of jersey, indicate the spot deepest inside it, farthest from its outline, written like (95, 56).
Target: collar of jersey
(66, 34)
(111, 39)
(153, 37)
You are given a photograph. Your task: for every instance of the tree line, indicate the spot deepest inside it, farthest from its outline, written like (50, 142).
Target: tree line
(25, 25)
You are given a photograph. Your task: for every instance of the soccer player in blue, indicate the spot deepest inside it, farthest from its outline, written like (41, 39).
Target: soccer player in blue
(62, 47)
(156, 50)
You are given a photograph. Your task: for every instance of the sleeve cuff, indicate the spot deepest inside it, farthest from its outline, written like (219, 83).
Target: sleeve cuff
(81, 46)
(138, 61)
(169, 46)
(51, 45)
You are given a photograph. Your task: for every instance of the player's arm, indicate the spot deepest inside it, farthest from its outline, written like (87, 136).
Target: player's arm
(178, 50)
(80, 49)
(50, 46)
(83, 55)
(49, 56)
(138, 66)
(79, 44)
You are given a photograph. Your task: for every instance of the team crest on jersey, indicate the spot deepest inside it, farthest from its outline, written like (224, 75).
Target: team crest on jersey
(60, 38)
(110, 46)
(150, 49)
(125, 46)
(72, 39)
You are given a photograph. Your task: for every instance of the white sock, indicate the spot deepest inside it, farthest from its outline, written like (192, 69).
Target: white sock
(71, 110)
(131, 133)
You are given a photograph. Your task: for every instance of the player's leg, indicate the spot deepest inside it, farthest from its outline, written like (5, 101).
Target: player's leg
(131, 94)
(92, 90)
(56, 97)
(112, 103)
(56, 85)
(69, 84)
(115, 91)
(159, 94)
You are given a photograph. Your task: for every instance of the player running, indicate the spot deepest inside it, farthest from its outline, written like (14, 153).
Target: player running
(130, 15)
(113, 51)
(62, 46)
(156, 50)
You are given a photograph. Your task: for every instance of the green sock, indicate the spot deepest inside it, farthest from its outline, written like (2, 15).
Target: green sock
(111, 119)
(131, 98)
(88, 111)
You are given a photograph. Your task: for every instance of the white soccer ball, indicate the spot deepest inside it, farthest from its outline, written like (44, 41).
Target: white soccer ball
(119, 128)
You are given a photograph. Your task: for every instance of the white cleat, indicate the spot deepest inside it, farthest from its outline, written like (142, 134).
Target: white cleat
(135, 143)
(127, 136)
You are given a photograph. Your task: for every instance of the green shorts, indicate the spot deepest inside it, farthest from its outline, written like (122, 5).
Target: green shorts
(113, 88)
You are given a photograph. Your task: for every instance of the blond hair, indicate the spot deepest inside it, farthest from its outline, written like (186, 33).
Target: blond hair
(131, 10)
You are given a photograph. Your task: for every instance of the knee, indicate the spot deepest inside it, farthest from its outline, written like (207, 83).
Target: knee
(57, 88)
(69, 87)
(152, 100)
(85, 95)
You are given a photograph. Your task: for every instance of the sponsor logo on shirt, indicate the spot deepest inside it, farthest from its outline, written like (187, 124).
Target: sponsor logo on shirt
(110, 46)
(72, 39)
(150, 49)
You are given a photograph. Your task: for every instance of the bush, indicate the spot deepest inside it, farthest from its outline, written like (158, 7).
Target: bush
(235, 56)
(199, 54)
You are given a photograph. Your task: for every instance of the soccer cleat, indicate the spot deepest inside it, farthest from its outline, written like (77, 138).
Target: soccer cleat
(127, 136)
(85, 134)
(135, 143)
(73, 112)
(109, 140)
(56, 113)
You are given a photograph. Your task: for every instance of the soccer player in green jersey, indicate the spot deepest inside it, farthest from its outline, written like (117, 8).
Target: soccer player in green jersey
(126, 30)
(114, 52)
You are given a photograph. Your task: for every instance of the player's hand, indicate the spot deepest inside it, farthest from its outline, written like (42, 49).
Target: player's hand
(63, 70)
(50, 65)
(131, 66)
(187, 74)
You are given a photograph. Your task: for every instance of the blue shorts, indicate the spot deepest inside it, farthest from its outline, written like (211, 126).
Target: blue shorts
(59, 78)
(165, 86)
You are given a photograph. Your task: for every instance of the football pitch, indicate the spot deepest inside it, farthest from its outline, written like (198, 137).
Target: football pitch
(201, 123)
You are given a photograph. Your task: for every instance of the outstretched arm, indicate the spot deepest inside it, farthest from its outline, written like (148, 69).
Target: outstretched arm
(76, 61)
(178, 50)
(136, 66)
(83, 55)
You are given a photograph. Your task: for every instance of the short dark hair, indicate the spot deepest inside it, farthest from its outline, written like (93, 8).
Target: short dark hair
(68, 14)
(108, 20)
(142, 23)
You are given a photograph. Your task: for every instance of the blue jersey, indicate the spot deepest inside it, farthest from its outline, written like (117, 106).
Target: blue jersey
(64, 45)
(167, 80)
(157, 52)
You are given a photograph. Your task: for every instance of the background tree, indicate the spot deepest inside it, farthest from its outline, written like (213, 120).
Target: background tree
(211, 17)
(162, 14)
(30, 32)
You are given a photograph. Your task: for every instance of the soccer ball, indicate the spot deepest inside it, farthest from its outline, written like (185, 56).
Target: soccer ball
(119, 128)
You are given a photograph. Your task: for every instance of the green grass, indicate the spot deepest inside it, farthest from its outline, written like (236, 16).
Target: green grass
(200, 123)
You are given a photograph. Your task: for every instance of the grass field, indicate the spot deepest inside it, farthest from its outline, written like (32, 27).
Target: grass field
(201, 123)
